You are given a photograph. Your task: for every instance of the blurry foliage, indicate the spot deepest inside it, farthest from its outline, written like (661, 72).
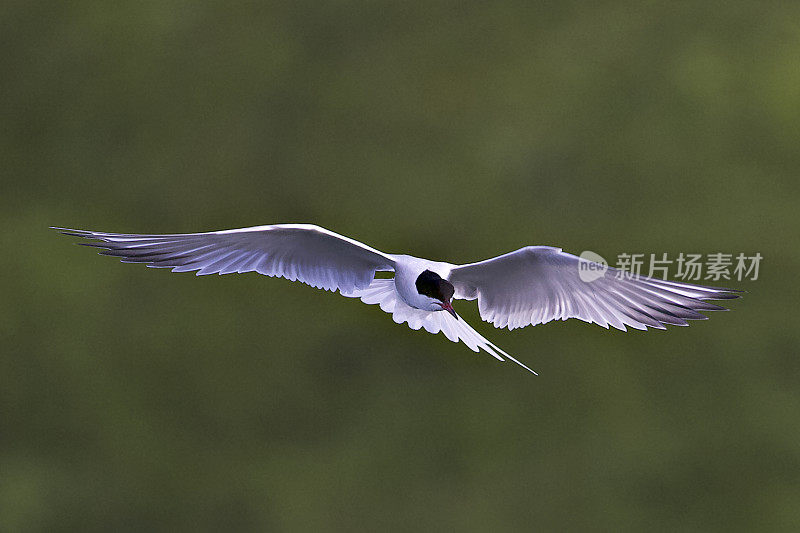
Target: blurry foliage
(134, 399)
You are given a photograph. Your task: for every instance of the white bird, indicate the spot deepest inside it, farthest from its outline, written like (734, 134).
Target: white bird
(533, 285)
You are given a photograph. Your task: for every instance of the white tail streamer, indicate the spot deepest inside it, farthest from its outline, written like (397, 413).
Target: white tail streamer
(382, 293)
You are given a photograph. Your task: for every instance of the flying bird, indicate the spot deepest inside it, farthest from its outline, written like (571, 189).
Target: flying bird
(532, 285)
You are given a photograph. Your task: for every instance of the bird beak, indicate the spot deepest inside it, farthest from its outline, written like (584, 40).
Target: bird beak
(447, 306)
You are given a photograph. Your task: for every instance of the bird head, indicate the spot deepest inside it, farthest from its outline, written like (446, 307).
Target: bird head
(440, 290)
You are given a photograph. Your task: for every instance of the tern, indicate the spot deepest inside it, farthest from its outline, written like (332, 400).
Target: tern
(530, 286)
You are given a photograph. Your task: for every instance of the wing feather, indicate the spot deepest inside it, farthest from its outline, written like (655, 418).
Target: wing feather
(302, 252)
(537, 284)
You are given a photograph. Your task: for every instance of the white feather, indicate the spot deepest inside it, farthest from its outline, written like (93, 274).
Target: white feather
(383, 293)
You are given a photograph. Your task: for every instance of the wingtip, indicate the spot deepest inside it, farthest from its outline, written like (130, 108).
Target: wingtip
(70, 232)
(724, 296)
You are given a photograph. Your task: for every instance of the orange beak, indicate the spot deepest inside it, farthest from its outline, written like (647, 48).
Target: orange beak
(447, 306)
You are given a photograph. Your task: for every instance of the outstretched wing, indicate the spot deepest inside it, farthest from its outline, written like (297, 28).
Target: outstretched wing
(382, 292)
(301, 252)
(537, 284)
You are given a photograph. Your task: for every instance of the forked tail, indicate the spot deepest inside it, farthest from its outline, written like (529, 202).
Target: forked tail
(382, 292)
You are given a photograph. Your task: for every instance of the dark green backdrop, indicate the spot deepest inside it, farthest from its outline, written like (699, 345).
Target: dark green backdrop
(135, 398)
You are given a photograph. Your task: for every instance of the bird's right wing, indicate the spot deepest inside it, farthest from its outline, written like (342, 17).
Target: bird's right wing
(302, 252)
(537, 284)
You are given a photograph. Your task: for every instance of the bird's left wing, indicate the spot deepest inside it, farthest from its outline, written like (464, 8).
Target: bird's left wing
(537, 284)
(302, 252)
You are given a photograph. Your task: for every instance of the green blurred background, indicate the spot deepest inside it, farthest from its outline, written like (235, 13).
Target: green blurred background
(133, 398)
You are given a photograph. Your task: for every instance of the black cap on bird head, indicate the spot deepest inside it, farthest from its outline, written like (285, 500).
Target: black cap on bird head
(432, 285)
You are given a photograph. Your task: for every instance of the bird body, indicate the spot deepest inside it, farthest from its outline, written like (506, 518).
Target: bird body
(407, 271)
(532, 285)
